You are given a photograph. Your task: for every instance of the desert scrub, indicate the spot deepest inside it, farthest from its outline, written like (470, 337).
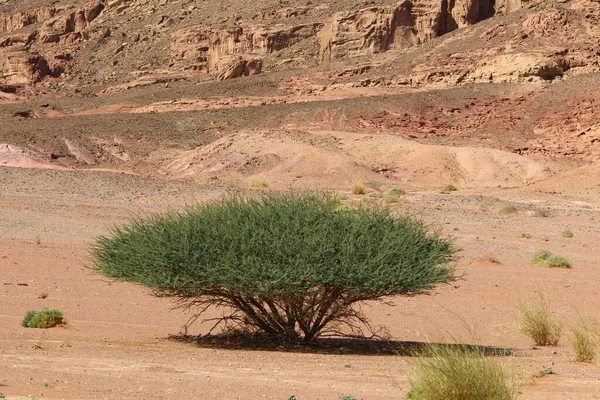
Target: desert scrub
(374, 185)
(391, 199)
(358, 189)
(549, 260)
(396, 192)
(285, 264)
(460, 373)
(449, 188)
(584, 341)
(44, 318)
(508, 208)
(536, 321)
(393, 195)
(567, 233)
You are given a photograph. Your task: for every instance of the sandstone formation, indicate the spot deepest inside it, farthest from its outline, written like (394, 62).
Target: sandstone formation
(13, 22)
(207, 49)
(377, 29)
(69, 26)
(21, 67)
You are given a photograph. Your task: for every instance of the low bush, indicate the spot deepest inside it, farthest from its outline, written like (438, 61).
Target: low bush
(396, 192)
(547, 259)
(567, 233)
(449, 188)
(294, 265)
(508, 208)
(460, 373)
(537, 322)
(44, 318)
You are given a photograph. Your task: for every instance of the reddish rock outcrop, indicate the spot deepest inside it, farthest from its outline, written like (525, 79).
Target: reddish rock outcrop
(22, 67)
(12, 22)
(238, 67)
(71, 23)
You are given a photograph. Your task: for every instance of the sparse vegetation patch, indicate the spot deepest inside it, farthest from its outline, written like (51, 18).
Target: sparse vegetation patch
(547, 259)
(449, 188)
(508, 208)
(567, 233)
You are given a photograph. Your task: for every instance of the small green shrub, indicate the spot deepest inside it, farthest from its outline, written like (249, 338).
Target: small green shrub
(348, 398)
(584, 342)
(460, 373)
(508, 208)
(549, 260)
(42, 295)
(396, 192)
(44, 318)
(358, 189)
(567, 233)
(537, 322)
(449, 188)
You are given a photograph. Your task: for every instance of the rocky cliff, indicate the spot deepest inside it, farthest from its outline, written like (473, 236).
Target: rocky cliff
(115, 42)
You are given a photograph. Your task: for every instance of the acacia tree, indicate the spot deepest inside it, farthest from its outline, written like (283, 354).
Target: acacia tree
(294, 265)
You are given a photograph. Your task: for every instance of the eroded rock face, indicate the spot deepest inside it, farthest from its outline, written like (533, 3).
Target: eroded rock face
(13, 22)
(69, 26)
(377, 29)
(22, 67)
(208, 49)
(368, 31)
(238, 66)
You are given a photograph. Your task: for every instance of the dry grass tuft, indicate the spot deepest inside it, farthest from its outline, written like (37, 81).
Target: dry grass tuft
(584, 341)
(537, 322)
(508, 208)
(358, 189)
(460, 373)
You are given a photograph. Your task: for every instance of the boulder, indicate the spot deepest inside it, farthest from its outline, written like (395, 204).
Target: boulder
(22, 68)
(238, 66)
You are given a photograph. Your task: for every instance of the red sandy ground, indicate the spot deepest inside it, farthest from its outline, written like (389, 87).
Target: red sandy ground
(116, 346)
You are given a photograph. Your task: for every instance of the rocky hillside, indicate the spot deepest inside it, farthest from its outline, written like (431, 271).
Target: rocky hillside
(103, 43)
(173, 87)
